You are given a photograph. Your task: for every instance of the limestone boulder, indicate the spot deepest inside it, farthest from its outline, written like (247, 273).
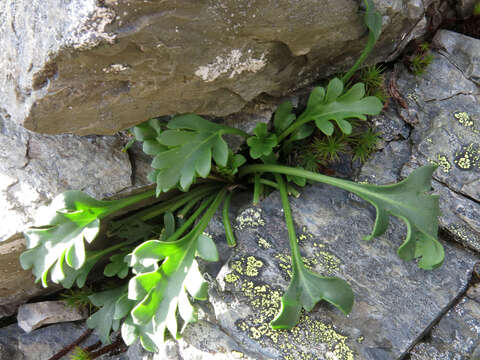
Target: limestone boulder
(92, 67)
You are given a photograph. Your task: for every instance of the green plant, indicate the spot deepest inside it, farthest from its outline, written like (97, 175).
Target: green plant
(154, 251)
(364, 144)
(79, 298)
(80, 354)
(374, 80)
(476, 9)
(329, 148)
(421, 59)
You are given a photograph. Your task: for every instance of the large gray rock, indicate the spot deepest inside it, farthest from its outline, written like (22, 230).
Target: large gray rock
(444, 116)
(86, 67)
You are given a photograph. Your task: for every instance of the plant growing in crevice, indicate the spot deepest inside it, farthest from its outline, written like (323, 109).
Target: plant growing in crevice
(420, 59)
(154, 250)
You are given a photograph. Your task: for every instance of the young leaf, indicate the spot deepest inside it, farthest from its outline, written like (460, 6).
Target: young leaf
(111, 303)
(305, 290)
(262, 143)
(190, 143)
(72, 219)
(283, 117)
(117, 266)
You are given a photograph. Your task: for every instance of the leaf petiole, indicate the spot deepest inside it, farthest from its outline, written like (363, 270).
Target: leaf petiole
(226, 222)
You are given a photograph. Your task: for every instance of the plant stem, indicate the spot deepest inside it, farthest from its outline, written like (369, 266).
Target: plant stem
(302, 119)
(292, 237)
(121, 203)
(226, 222)
(256, 189)
(279, 169)
(71, 346)
(235, 131)
(203, 223)
(169, 205)
(190, 220)
(269, 183)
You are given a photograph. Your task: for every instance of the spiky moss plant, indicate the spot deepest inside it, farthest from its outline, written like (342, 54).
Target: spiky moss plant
(374, 79)
(420, 59)
(154, 251)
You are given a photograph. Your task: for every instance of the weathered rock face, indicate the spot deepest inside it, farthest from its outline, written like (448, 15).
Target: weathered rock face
(457, 335)
(33, 170)
(89, 68)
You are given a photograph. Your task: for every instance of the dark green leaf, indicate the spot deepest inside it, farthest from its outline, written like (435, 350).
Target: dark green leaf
(305, 290)
(191, 143)
(117, 266)
(283, 117)
(409, 200)
(148, 130)
(262, 143)
(333, 106)
(303, 132)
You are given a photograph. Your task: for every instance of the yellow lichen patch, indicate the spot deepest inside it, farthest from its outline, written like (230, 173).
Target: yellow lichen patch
(253, 265)
(250, 218)
(360, 339)
(328, 262)
(413, 97)
(460, 232)
(231, 278)
(464, 119)
(264, 244)
(304, 235)
(323, 261)
(247, 265)
(468, 157)
(285, 264)
(295, 343)
(444, 163)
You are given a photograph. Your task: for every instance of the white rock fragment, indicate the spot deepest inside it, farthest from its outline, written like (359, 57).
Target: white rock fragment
(32, 316)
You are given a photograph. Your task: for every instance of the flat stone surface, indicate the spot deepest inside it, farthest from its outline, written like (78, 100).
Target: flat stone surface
(395, 303)
(455, 337)
(34, 315)
(92, 67)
